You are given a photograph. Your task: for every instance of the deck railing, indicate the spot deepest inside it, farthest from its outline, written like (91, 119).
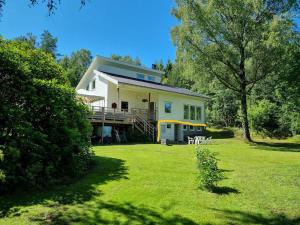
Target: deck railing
(115, 114)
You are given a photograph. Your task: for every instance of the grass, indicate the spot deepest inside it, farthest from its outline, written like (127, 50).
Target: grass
(156, 184)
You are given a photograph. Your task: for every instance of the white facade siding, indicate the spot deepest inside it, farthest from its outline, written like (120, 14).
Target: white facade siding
(133, 97)
(177, 112)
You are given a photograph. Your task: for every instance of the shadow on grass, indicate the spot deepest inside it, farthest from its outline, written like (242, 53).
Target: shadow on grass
(121, 213)
(277, 146)
(220, 134)
(224, 190)
(240, 217)
(105, 170)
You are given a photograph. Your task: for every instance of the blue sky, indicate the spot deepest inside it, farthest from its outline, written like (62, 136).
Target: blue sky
(138, 28)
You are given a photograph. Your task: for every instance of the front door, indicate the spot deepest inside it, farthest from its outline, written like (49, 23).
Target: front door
(124, 106)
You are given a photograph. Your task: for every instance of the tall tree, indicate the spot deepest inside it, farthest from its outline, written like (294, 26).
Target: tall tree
(126, 59)
(76, 65)
(240, 42)
(29, 38)
(48, 43)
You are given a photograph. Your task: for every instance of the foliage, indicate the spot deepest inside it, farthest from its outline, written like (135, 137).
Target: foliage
(268, 119)
(43, 128)
(76, 65)
(126, 59)
(222, 109)
(50, 4)
(209, 173)
(238, 42)
(48, 43)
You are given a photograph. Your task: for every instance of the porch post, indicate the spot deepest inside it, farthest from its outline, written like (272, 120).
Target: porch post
(149, 99)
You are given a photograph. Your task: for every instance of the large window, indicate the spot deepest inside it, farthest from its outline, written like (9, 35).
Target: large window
(186, 114)
(198, 113)
(140, 76)
(168, 107)
(151, 78)
(193, 113)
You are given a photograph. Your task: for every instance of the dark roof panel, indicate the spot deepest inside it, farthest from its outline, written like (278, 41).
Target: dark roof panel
(153, 85)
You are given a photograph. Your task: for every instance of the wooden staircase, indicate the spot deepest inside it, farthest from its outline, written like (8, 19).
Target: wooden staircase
(144, 126)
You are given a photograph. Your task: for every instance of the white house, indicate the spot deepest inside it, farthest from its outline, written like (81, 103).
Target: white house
(125, 95)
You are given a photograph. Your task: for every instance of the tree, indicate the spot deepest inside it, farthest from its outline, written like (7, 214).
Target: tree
(29, 38)
(48, 43)
(44, 130)
(239, 42)
(50, 4)
(126, 59)
(76, 65)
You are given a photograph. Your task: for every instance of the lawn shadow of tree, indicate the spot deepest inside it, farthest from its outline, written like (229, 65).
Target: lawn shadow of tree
(240, 217)
(220, 134)
(277, 146)
(106, 169)
(122, 213)
(224, 190)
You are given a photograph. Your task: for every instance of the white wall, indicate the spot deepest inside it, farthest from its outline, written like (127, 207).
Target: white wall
(177, 113)
(133, 97)
(178, 101)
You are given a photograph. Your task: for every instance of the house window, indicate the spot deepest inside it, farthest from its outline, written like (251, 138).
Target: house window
(169, 126)
(140, 76)
(163, 128)
(124, 106)
(151, 78)
(88, 87)
(191, 128)
(94, 84)
(186, 110)
(184, 127)
(199, 128)
(192, 109)
(168, 107)
(198, 113)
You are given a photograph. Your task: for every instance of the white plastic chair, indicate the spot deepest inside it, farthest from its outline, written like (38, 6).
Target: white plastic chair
(191, 140)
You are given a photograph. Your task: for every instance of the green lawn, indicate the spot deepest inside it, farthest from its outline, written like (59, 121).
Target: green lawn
(155, 184)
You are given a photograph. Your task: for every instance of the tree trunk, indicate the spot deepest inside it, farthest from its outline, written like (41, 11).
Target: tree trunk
(243, 92)
(245, 122)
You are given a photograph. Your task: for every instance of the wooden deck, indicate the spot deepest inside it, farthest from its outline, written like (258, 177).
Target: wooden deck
(118, 116)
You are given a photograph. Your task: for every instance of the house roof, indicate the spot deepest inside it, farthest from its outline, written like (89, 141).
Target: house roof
(152, 85)
(90, 96)
(141, 67)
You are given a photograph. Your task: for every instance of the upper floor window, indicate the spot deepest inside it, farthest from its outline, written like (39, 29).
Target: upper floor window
(198, 113)
(151, 78)
(94, 84)
(168, 107)
(186, 114)
(88, 87)
(140, 76)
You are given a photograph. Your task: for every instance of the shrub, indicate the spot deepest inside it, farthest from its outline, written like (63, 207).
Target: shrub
(44, 130)
(209, 173)
(267, 119)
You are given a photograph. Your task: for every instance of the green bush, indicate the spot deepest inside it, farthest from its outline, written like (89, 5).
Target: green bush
(209, 173)
(268, 120)
(44, 129)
